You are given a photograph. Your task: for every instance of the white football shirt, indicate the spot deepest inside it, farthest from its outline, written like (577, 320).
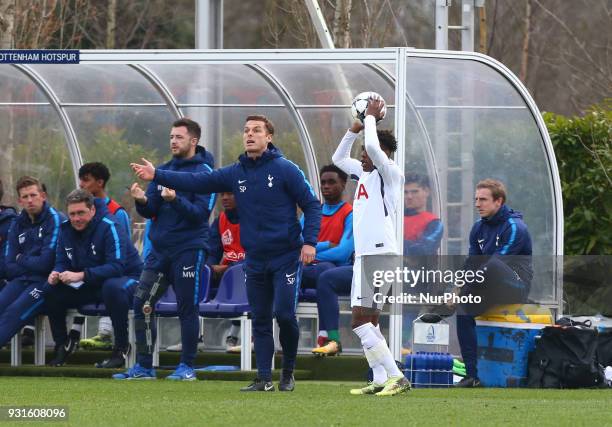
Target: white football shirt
(377, 196)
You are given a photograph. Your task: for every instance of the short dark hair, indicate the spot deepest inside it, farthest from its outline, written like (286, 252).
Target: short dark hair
(387, 140)
(193, 128)
(28, 181)
(262, 118)
(420, 180)
(1, 189)
(333, 168)
(97, 170)
(498, 189)
(80, 195)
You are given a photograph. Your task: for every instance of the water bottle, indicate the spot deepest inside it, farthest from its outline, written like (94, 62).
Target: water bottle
(443, 367)
(430, 368)
(448, 367)
(437, 367)
(420, 375)
(409, 372)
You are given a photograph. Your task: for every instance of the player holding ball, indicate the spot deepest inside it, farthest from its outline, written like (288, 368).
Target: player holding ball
(377, 201)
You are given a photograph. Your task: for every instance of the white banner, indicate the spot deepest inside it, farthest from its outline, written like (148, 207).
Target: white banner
(431, 333)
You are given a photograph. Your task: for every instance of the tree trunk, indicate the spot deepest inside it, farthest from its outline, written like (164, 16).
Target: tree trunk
(342, 23)
(482, 29)
(7, 24)
(111, 24)
(525, 50)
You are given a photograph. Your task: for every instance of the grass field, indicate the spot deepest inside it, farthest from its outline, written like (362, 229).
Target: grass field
(211, 403)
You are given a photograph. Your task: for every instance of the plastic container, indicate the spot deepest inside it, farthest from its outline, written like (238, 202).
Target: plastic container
(518, 313)
(429, 369)
(503, 350)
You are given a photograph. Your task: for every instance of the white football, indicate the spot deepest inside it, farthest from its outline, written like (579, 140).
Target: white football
(360, 104)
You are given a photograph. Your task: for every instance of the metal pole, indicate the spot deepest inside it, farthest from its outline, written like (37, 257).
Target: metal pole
(441, 22)
(209, 35)
(467, 21)
(318, 20)
(209, 24)
(395, 316)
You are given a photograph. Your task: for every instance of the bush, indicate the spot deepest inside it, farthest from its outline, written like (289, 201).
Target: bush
(583, 146)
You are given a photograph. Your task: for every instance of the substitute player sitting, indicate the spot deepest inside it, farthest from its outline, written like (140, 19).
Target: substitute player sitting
(374, 213)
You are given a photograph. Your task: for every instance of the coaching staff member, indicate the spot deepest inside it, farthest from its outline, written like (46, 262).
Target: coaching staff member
(267, 187)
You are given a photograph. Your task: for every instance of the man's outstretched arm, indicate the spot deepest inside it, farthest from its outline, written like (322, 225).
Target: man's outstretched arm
(205, 182)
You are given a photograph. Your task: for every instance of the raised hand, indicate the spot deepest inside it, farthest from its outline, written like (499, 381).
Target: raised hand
(138, 193)
(144, 171)
(375, 108)
(168, 194)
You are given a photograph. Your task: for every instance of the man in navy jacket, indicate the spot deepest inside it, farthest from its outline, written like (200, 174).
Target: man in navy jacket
(267, 188)
(179, 235)
(500, 247)
(95, 261)
(93, 177)
(29, 257)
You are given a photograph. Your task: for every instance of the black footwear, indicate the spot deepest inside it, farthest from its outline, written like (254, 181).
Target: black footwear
(286, 383)
(259, 385)
(27, 337)
(73, 341)
(60, 356)
(116, 360)
(469, 382)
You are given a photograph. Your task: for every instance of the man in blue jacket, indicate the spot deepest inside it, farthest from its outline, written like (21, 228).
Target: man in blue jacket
(29, 257)
(500, 247)
(267, 187)
(95, 261)
(179, 241)
(7, 215)
(93, 177)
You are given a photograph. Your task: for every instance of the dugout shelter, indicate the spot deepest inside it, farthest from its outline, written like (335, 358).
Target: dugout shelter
(459, 117)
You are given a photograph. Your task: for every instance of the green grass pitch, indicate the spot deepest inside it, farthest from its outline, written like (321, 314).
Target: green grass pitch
(215, 403)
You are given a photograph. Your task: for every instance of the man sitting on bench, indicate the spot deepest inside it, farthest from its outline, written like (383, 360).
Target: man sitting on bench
(95, 261)
(30, 254)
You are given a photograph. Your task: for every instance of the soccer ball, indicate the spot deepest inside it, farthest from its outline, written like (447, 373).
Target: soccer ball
(360, 104)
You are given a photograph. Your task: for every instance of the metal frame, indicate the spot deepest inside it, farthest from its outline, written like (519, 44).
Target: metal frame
(533, 109)
(209, 24)
(161, 88)
(283, 93)
(437, 200)
(71, 142)
(318, 20)
(395, 315)
(257, 60)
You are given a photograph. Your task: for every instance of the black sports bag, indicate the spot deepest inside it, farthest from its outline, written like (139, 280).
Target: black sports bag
(604, 348)
(565, 357)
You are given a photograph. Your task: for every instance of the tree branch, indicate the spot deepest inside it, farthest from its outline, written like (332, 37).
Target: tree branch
(573, 36)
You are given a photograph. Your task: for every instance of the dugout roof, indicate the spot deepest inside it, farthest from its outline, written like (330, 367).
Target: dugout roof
(459, 117)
